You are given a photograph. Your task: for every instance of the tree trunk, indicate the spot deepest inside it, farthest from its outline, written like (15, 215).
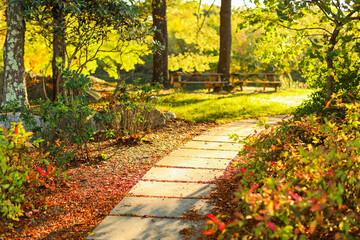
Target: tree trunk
(160, 59)
(14, 87)
(59, 48)
(225, 39)
(330, 60)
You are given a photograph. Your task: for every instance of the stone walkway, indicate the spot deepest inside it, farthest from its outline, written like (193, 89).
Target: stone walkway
(155, 205)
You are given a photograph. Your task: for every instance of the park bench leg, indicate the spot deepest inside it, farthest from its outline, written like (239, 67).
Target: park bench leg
(264, 87)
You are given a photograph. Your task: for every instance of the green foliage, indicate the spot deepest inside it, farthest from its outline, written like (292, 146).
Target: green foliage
(64, 122)
(318, 104)
(315, 103)
(193, 36)
(131, 106)
(19, 176)
(319, 39)
(114, 31)
(66, 119)
(301, 179)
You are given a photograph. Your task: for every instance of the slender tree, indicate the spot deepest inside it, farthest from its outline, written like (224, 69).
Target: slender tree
(160, 59)
(14, 71)
(225, 39)
(59, 47)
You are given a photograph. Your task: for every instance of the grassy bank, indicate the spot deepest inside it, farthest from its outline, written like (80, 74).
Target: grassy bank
(226, 107)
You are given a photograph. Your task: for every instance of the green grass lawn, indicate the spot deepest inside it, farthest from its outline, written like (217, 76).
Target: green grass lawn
(226, 107)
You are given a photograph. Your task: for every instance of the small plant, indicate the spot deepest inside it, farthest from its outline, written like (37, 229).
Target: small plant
(301, 180)
(129, 108)
(18, 161)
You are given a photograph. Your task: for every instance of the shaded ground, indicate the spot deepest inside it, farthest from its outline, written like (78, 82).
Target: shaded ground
(95, 188)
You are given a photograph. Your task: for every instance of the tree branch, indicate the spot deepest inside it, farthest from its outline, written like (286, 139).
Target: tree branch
(319, 3)
(120, 81)
(206, 14)
(302, 29)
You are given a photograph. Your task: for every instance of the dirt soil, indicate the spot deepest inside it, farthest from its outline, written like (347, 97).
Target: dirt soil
(94, 188)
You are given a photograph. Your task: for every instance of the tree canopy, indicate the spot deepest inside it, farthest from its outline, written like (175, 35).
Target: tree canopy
(320, 37)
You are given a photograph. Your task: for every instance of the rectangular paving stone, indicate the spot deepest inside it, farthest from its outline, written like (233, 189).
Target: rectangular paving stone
(161, 207)
(203, 153)
(172, 189)
(182, 174)
(140, 228)
(225, 131)
(213, 145)
(213, 138)
(241, 123)
(194, 162)
(249, 131)
(273, 120)
(240, 131)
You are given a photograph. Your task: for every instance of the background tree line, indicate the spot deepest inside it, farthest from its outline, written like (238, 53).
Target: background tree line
(288, 38)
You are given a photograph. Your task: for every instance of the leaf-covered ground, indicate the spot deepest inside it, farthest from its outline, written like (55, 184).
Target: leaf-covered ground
(94, 188)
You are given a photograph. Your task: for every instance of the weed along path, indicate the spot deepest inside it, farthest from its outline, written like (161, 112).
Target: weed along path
(170, 201)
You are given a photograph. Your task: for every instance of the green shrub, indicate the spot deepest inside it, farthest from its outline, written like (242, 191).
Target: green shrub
(317, 103)
(65, 124)
(132, 104)
(20, 162)
(301, 180)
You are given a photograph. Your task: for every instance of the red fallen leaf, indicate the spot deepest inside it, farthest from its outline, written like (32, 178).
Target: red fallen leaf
(239, 215)
(337, 236)
(282, 180)
(40, 170)
(259, 218)
(251, 174)
(253, 188)
(16, 129)
(221, 226)
(326, 104)
(208, 232)
(255, 131)
(212, 218)
(296, 196)
(49, 168)
(243, 170)
(315, 207)
(312, 227)
(271, 225)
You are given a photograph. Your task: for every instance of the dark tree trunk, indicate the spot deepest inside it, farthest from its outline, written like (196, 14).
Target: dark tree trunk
(59, 48)
(330, 61)
(225, 39)
(14, 70)
(160, 65)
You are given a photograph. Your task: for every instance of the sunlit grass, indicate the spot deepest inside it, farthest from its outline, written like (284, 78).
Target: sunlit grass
(225, 107)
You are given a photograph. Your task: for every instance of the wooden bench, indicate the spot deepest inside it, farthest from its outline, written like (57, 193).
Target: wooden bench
(210, 80)
(266, 79)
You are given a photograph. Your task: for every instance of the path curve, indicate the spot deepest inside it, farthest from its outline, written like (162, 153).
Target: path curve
(180, 182)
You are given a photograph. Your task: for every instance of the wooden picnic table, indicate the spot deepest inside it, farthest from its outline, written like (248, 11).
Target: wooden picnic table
(266, 79)
(210, 80)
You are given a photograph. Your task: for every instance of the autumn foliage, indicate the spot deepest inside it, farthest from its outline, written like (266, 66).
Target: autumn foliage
(301, 179)
(22, 171)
